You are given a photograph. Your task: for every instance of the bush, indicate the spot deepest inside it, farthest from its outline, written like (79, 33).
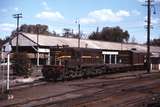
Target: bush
(21, 64)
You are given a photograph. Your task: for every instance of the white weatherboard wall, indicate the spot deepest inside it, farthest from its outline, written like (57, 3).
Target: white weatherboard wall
(22, 41)
(153, 67)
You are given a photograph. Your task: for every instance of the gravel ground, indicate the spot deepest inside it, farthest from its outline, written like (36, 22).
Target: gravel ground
(115, 90)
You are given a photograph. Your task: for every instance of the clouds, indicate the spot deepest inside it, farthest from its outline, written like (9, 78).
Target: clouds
(93, 17)
(7, 10)
(145, 0)
(155, 21)
(103, 15)
(45, 4)
(4, 10)
(135, 13)
(88, 21)
(16, 9)
(109, 15)
(7, 27)
(50, 15)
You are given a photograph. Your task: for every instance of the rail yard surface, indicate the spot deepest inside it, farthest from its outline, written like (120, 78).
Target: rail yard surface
(136, 89)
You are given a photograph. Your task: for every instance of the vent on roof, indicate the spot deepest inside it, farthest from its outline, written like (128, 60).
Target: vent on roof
(64, 46)
(134, 49)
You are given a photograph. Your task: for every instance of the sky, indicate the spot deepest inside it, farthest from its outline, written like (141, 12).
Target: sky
(130, 15)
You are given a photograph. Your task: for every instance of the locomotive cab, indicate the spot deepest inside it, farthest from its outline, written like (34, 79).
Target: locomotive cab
(71, 62)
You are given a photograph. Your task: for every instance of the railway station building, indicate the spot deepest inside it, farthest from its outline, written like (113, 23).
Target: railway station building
(39, 47)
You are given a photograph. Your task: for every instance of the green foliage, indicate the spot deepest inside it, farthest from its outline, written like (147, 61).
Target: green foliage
(40, 29)
(155, 42)
(34, 29)
(69, 33)
(21, 65)
(113, 34)
(2, 41)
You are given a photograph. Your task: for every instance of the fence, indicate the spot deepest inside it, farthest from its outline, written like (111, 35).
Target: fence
(3, 77)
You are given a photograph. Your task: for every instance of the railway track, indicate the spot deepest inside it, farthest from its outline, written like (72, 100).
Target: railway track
(22, 86)
(42, 82)
(141, 92)
(98, 92)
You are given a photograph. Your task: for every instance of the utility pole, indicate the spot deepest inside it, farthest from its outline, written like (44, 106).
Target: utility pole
(79, 32)
(79, 35)
(97, 30)
(37, 27)
(148, 34)
(148, 60)
(17, 16)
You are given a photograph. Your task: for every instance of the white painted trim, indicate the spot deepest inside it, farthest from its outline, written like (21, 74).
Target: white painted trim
(115, 59)
(8, 48)
(104, 60)
(43, 50)
(37, 58)
(109, 53)
(49, 59)
(110, 59)
(8, 71)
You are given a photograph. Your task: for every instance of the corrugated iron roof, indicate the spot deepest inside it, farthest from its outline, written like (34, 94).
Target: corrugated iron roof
(27, 39)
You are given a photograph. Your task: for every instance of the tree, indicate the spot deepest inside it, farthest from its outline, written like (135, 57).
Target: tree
(34, 29)
(133, 40)
(38, 28)
(23, 66)
(1, 43)
(113, 34)
(155, 42)
(69, 33)
(94, 36)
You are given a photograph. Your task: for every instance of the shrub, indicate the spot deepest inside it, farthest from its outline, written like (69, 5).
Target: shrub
(21, 64)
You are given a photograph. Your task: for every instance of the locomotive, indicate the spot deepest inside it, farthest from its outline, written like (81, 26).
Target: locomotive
(69, 63)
